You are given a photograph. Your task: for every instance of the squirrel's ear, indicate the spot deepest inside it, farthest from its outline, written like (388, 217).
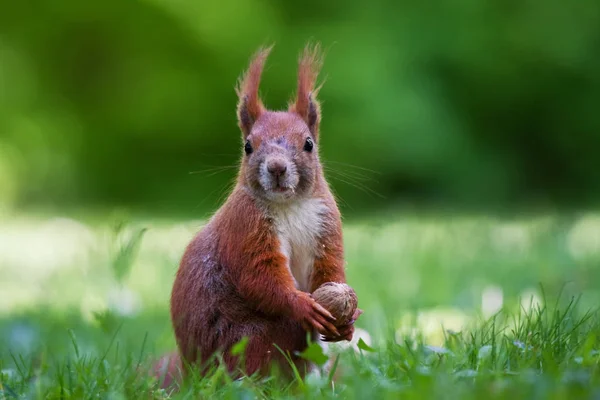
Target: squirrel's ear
(250, 106)
(306, 104)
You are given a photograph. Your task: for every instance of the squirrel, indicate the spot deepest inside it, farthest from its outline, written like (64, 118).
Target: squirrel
(251, 269)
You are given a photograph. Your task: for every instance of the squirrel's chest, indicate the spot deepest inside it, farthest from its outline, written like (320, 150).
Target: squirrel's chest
(299, 227)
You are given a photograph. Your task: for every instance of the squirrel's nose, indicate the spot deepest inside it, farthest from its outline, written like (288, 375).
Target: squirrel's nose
(276, 167)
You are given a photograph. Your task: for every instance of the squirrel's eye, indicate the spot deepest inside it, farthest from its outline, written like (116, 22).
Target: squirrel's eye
(308, 145)
(248, 147)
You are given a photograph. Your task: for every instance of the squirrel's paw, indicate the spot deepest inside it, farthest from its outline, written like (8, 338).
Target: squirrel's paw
(313, 316)
(346, 332)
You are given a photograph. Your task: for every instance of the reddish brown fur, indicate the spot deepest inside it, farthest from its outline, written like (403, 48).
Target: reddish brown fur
(309, 66)
(234, 280)
(247, 90)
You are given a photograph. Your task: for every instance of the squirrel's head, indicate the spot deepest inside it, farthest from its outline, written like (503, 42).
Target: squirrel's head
(280, 161)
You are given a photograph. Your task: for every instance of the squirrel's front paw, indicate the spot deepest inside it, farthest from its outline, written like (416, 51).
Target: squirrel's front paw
(346, 332)
(314, 316)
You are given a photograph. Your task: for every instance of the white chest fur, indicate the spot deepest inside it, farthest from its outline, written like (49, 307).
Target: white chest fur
(299, 226)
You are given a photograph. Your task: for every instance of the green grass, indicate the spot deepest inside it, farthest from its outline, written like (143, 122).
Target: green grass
(542, 353)
(86, 323)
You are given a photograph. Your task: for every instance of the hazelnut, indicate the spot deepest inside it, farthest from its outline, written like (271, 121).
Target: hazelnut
(339, 299)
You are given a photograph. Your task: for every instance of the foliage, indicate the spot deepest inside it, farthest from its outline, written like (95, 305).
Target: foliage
(464, 102)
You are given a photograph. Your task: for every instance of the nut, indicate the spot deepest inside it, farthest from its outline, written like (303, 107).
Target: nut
(339, 299)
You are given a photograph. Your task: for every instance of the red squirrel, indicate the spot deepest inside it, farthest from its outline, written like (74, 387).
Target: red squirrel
(252, 268)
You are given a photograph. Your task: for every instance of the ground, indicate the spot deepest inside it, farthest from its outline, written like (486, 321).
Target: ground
(455, 307)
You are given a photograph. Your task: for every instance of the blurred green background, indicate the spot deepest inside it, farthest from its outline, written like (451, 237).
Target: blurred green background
(442, 122)
(466, 104)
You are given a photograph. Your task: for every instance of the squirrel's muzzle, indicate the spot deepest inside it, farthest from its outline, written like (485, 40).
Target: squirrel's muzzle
(276, 167)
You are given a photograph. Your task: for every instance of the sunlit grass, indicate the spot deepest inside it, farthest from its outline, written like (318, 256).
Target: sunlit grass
(454, 307)
(548, 351)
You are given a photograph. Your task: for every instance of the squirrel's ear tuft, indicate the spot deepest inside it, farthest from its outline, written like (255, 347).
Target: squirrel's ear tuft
(250, 106)
(306, 104)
